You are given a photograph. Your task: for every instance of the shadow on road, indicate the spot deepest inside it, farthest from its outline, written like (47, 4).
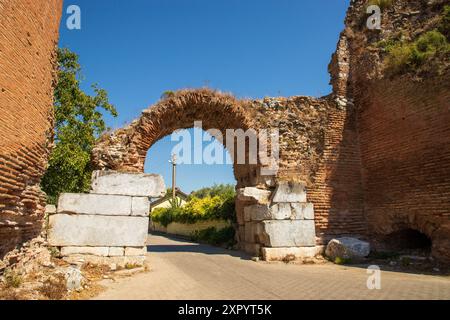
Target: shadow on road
(179, 244)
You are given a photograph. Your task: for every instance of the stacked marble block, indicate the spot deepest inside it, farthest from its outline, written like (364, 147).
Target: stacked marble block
(110, 224)
(278, 224)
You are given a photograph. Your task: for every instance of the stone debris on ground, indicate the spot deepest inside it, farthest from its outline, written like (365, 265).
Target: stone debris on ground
(347, 248)
(36, 271)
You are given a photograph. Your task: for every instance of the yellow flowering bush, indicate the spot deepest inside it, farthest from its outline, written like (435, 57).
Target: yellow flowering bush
(197, 209)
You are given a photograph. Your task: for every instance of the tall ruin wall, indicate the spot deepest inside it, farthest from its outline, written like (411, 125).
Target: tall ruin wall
(402, 122)
(28, 38)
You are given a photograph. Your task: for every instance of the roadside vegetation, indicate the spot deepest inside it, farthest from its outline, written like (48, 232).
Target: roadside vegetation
(213, 203)
(223, 237)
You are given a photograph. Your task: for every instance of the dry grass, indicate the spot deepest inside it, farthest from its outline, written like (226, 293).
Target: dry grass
(288, 258)
(11, 294)
(54, 288)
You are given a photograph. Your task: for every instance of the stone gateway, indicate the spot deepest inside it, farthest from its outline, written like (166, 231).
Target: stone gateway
(369, 161)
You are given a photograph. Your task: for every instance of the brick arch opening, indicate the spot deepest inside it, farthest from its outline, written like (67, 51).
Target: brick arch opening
(126, 149)
(418, 234)
(408, 239)
(160, 154)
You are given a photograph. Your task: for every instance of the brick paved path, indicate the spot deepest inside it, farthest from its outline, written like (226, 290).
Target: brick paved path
(184, 270)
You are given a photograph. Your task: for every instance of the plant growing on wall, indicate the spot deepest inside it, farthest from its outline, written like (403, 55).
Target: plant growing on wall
(78, 122)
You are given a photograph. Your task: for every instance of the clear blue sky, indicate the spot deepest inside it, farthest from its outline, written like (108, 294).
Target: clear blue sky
(137, 49)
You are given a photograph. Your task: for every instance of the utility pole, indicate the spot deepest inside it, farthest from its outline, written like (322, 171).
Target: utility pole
(174, 174)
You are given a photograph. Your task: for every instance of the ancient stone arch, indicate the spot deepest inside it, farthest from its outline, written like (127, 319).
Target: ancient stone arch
(272, 210)
(126, 149)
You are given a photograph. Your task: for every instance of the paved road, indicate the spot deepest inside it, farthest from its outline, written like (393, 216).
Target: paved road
(184, 270)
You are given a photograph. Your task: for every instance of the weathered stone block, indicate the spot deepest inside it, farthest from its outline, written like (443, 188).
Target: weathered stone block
(302, 211)
(288, 233)
(240, 217)
(252, 248)
(97, 230)
(139, 251)
(280, 211)
(94, 204)
(96, 251)
(241, 233)
(279, 254)
(254, 194)
(50, 209)
(128, 184)
(74, 278)
(289, 192)
(253, 231)
(140, 206)
(347, 248)
(116, 251)
(257, 212)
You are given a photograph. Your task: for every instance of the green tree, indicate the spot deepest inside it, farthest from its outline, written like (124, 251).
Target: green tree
(78, 122)
(224, 191)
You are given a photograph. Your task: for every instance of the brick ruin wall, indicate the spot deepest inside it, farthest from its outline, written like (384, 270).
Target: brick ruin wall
(402, 124)
(405, 151)
(28, 38)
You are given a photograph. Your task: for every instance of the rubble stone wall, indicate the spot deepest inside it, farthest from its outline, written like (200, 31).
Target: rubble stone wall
(28, 38)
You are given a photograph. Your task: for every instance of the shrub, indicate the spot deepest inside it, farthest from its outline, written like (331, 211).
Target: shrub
(165, 216)
(399, 58)
(428, 45)
(167, 94)
(408, 56)
(12, 279)
(221, 237)
(208, 208)
(54, 252)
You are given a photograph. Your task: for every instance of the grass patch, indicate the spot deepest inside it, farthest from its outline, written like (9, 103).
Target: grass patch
(406, 57)
(131, 266)
(221, 237)
(54, 252)
(12, 279)
(342, 261)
